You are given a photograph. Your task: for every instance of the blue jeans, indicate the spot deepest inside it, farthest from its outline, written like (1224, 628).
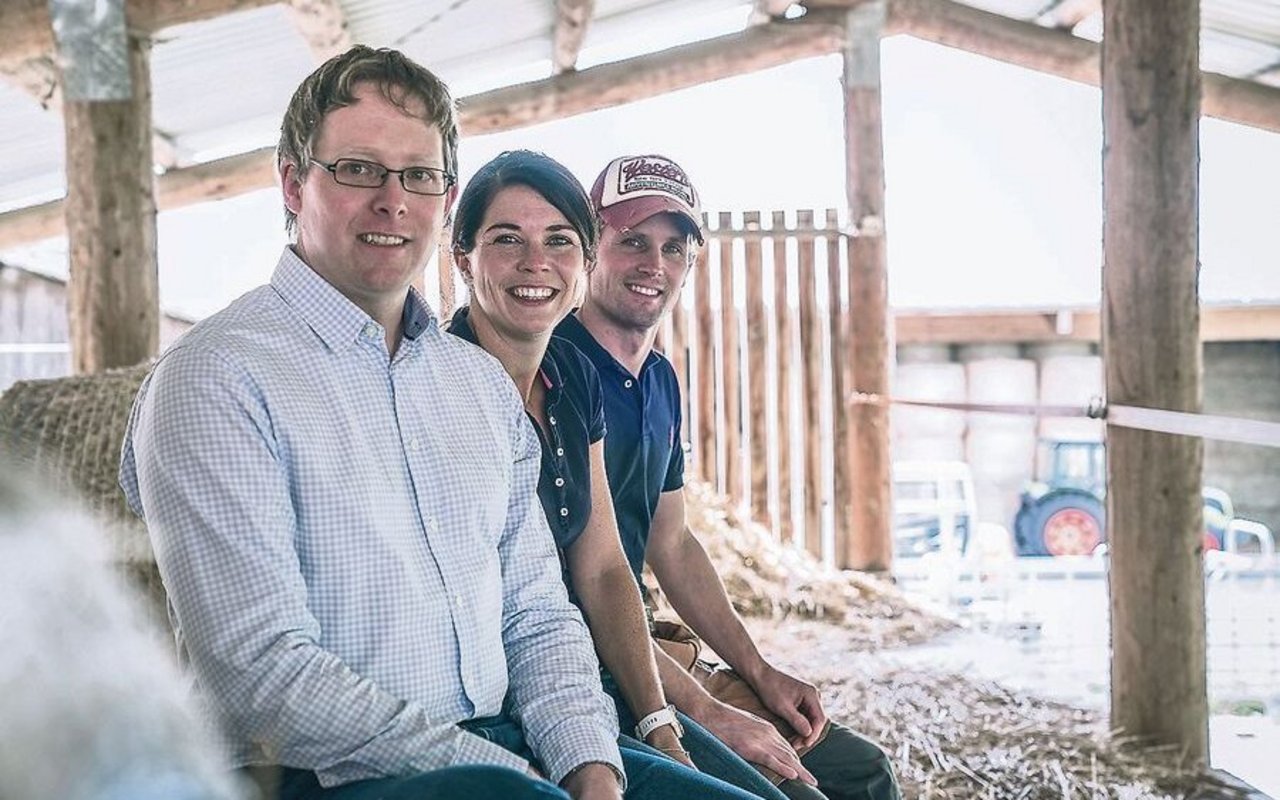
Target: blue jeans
(473, 781)
(650, 776)
(710, 755)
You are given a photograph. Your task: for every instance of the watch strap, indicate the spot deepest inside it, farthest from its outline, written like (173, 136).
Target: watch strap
(663, 716)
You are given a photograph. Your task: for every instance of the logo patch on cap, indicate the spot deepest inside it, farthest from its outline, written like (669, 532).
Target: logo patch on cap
(644, 177)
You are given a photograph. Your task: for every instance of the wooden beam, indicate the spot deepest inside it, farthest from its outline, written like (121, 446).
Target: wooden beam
(113, 290)
(323, 24)
(1055, 52)
(868, 534)
(1151, 358)
(572, 19)
(503, 109)
(1242, 323)
(651, 75)
(29, 34)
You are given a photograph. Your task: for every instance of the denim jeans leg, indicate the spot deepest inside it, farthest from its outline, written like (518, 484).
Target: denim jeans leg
(653, 776)
(473, 781)
(710, 755)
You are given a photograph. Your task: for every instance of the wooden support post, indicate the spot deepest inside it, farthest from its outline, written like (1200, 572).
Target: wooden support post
(811, 386)
(1151, 352)
(704, 443)
(841, 410)
(757, 347)
(113, 300)
(784, 346)
(870, 547)
(730, 368)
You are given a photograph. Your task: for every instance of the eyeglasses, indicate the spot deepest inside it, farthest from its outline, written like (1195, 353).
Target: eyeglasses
(372, 175)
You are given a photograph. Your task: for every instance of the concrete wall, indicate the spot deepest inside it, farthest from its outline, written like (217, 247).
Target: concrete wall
(1243, 379)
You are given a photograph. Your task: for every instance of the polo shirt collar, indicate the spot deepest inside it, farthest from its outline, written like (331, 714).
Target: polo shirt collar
(573, 330)
(330, 314)
(549, 370)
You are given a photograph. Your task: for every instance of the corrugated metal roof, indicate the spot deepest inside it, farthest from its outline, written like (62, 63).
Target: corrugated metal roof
(220, 85)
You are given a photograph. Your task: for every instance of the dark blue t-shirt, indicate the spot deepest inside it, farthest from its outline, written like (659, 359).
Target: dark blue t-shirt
(575, 421)
(642, 452)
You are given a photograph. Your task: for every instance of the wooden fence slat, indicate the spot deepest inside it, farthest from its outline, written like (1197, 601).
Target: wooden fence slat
(704, 441)
(784, 344)
(811, 372)
(730, 369)
(842, 448)
(757, 347)
(444, 265)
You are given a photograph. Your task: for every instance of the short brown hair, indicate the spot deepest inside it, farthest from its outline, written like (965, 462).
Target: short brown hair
(401, 81)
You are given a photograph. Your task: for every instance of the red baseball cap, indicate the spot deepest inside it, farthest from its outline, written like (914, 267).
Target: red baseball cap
(633, 188)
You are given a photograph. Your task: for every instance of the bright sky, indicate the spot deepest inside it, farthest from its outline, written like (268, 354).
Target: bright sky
(994, 182)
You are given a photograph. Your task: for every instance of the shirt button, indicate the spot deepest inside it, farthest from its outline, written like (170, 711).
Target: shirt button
(628, 383)
(560, 452)
(552, 420)
(564, 512)
(413, 444)
(370, 330)
(559, 481)
(458, 601)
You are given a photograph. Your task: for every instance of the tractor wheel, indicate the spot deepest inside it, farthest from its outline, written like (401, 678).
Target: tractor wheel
(1063, 523)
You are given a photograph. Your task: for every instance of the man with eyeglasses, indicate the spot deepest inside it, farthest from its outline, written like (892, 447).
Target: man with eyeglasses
(342, 499)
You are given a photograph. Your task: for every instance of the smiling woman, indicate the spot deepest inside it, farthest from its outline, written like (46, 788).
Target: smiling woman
(524, 240)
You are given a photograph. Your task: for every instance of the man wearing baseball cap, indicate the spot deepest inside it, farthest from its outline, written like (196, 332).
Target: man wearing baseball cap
(651, 225)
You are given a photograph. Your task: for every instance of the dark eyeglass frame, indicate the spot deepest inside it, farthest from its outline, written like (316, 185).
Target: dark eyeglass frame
(332, 168)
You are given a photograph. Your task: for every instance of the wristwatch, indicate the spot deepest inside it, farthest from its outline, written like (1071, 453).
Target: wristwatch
(663, 716)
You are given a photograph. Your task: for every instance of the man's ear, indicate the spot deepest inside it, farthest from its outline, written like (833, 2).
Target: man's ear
(291, 186)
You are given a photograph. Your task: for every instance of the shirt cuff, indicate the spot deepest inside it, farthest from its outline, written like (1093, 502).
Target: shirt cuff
(572, 745)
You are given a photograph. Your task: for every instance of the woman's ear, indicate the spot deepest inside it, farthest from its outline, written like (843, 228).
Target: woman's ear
(462, 261)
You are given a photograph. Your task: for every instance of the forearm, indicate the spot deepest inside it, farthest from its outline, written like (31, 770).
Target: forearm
(680, 688)
(691, 583)
(615, 614)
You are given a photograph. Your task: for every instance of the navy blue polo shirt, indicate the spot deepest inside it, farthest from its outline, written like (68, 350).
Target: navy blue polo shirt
(642, 452)
(575, 421)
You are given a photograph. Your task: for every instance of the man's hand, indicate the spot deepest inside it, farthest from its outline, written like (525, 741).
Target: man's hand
(755, 740)
(592, 782)
(664, 738)
(794, 700)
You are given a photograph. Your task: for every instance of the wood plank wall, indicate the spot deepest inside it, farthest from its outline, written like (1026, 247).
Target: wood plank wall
(762, 378)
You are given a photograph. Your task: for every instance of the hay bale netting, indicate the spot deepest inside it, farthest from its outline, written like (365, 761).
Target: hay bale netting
(68, 432)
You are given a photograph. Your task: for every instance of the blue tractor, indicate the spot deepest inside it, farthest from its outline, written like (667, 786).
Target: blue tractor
(1065, 514)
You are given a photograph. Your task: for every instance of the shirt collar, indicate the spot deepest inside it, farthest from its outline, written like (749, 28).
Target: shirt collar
(329, 313)
(573, 330)
(460, 325)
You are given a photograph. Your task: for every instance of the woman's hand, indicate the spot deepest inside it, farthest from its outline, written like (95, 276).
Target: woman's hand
(664, 738)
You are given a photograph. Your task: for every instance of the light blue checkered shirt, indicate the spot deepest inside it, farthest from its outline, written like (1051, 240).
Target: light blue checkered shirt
(352, 545)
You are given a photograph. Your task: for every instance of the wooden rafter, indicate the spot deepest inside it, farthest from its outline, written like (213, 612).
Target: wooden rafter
(771, 44)
(1033, 326)
(28, 33)
(498, 110)
(572, 19)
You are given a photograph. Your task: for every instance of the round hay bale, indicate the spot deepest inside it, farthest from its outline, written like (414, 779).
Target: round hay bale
(67, 432)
